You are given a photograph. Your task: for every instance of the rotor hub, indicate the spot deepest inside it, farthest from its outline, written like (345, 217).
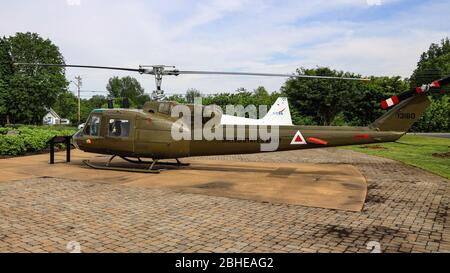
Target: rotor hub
(158, 71)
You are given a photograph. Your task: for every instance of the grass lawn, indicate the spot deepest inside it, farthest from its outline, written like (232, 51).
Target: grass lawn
(413, 150)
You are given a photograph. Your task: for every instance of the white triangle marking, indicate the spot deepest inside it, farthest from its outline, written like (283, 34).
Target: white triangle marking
(298, 138)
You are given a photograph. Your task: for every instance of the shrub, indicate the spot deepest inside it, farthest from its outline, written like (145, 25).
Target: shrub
(11, 145)
(29, 139)
(3, 131)
(436, 118)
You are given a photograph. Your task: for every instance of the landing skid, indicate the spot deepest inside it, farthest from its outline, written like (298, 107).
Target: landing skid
(139, 161)
(123, 169)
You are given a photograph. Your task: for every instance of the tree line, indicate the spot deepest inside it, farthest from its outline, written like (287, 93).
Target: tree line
(26, 92)
(355, 103)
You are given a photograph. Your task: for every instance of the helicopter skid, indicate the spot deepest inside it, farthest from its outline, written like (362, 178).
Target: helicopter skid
(139, 161)
(123, 169)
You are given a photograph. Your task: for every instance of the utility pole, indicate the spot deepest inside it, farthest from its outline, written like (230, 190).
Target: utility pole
(78, 84)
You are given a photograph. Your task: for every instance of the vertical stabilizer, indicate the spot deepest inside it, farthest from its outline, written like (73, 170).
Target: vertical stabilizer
(404, 115)
(279, 113)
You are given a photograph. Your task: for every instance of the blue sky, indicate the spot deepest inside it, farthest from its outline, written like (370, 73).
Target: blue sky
(369, 37)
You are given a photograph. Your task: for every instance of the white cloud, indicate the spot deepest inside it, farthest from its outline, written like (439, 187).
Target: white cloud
(73, 2)
(374, 2)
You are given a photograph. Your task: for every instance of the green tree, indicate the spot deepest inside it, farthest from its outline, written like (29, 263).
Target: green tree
(436, 118)
(97, 101)
(118, 103)
(66, 106)
(259, 97)
(141, 100)
(5, 73)
(191, 94)
(434, 64)
(177, 98)
(319, 99)
(125, 87)
(261, 91)
(363, 105)
(86, 108)
(27, 91)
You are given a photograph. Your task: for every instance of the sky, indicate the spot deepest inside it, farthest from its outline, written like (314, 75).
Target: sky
(367, 37)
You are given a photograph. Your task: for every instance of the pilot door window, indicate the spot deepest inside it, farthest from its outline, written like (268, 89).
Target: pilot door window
(93, 126)
(119, 128)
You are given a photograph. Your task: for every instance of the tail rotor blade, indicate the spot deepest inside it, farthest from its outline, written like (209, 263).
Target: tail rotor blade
(414, 91)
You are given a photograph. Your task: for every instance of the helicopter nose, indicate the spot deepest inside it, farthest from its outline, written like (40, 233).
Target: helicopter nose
(76, 137)
(74, 142)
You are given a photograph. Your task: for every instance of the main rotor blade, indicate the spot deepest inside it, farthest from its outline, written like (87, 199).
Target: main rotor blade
(186, 72)
(84, 66)
(192, 72)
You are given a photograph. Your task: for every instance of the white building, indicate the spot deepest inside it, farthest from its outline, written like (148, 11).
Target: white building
(52, 118)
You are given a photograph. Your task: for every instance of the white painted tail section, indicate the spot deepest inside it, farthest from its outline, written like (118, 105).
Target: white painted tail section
(278, 114)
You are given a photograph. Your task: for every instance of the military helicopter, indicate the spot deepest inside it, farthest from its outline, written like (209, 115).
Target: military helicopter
(133, 134)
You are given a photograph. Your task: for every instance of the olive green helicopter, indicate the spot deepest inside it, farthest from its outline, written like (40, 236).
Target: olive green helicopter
(154, 131)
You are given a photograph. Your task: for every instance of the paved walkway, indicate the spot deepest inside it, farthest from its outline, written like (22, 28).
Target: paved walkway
(406, 210)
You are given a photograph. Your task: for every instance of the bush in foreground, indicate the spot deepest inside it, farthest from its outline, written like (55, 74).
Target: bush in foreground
(28, 139)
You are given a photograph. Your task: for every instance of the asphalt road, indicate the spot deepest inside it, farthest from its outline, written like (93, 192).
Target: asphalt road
(441, 135)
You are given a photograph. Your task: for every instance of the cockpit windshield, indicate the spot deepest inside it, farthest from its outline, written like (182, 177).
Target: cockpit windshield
(92, 127)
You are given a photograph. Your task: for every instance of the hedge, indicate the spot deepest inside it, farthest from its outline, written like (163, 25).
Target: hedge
(28, 138)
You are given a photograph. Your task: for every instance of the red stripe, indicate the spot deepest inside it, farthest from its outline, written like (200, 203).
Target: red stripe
(436, 84)
(317, 141)
(361, 136)
(394, 99)
(418, 90)
(384, 104)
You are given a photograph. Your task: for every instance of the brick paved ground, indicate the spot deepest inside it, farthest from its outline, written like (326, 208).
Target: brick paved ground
(406, 211)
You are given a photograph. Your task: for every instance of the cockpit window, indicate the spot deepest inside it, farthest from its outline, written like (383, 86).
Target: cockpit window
(92, 127)
(119, 128)
(164, 107)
